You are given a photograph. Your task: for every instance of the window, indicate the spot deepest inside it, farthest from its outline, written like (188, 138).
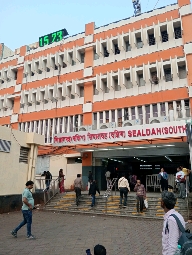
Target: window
(151, 39)
(128, 83)
(133, 113)
(177, 30)
(187, 108)
(154, 78)
(139, 43)
(119, 114)
(126, 114)
(163, 113)
(96, 56)
(56, 124)
(66, 124)
(182, 71)
(140, 112)
(82, 57)
(61, 125)
(23, 157)
(101, 117)
(147, 110)
(113, 115)
(128, 46)
(107, 116)
(164, 34)
(155, 112)
(81, 92)
(95, 91)
(117, 87)
(71, 124)
(105, 88)
(141, 81)
(106, 53)
(117, 51)
(167, 72)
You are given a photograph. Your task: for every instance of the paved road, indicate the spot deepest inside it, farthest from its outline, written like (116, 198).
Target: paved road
(68, 234)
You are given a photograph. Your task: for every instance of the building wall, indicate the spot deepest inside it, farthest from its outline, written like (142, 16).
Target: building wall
(55, 164)
(85, 81)
(14, 174)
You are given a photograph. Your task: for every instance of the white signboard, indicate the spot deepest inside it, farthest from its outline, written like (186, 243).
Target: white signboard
(122, 134)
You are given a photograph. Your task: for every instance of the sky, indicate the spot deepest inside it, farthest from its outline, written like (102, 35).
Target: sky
(23, 22)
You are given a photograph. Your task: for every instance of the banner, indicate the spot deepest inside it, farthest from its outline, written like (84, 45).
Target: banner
(122, 134)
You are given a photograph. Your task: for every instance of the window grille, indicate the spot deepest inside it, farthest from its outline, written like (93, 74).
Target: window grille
(23, 158)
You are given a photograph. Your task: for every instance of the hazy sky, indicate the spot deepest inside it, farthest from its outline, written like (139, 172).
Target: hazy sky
(23, 22)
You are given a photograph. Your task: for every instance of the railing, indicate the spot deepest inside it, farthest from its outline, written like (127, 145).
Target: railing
(51, 192)
(154, 182)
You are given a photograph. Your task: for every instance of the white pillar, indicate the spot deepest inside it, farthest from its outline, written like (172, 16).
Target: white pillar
(116, 116)
(123, 115)
(158, 109)
(110, 116)
(136, 113)
(98, 118)
(104, 116)
(144, 114)
(166, 109)
(183, 110)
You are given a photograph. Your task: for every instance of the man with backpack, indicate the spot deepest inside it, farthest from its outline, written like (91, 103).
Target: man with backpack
(171, 231)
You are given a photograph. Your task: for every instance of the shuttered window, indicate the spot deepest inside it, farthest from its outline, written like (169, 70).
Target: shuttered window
(23, 158)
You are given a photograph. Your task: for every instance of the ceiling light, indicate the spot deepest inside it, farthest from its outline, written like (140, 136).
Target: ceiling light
(103, 149)
(140, 147)
(89, 150)
(169, 145)
(168, 158)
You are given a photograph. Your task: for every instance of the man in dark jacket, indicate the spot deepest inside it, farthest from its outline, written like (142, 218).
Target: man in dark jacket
(92, 191)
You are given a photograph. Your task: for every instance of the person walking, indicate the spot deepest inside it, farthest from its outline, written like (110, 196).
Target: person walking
(48, 178)
(141, 195)
(186, 174)
(180, 179)
(78, 185)
(28, 205)
(163, 176)
(92, 191)
(108, 178)
(90, 179)
(171, 232)
(123, 186)
(61, 181)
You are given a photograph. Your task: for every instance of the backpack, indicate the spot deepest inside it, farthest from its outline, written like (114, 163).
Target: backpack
(185, 240)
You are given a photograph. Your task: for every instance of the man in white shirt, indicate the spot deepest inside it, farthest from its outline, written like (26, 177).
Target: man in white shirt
(108, 179)
(171, 232)
(180, 179)
(123, 186)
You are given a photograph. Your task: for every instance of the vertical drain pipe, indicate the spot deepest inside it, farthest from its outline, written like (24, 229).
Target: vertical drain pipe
(34, 165)
(29, 175)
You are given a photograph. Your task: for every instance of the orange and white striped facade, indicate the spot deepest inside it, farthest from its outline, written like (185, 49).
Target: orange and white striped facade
(136, 71)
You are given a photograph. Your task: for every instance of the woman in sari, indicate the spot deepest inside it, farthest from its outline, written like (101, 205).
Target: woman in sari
(61, 181)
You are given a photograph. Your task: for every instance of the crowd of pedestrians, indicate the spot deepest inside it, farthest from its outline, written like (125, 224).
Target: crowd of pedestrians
(173, 234)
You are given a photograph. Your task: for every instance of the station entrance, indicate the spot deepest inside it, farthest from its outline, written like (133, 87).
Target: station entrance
(141, 161)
